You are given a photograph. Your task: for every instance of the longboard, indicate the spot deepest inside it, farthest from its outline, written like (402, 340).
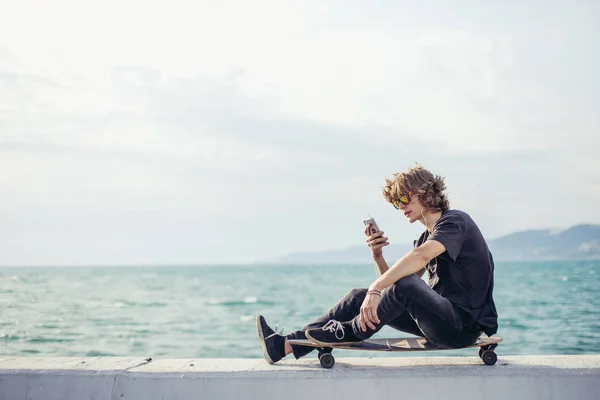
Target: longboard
(486, 347)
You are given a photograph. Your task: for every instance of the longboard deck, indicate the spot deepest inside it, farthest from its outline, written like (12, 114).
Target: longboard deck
(398, 344)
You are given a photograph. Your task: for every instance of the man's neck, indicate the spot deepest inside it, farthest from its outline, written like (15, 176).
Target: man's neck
(430, 219)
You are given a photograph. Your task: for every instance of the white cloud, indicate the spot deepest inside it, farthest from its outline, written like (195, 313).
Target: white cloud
(416, 86)
(435, 85)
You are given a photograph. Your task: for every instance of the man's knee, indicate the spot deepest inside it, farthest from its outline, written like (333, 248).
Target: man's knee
(407, 286)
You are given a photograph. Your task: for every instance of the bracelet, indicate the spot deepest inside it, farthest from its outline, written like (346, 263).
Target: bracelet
(375, 292)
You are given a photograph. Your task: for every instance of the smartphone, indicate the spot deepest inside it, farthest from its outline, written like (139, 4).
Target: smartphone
(374, 227)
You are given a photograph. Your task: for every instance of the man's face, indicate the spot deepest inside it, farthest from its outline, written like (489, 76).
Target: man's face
(413, 210)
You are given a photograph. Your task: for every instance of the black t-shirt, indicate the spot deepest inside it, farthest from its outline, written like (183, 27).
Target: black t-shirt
(464, 273)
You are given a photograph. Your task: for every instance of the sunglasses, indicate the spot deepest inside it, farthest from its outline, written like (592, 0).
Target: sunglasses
(404, 199)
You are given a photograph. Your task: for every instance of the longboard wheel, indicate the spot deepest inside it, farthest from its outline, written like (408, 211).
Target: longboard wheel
(326, 360)
(489, 357)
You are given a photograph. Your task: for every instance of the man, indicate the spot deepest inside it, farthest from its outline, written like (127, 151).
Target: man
(452, 310)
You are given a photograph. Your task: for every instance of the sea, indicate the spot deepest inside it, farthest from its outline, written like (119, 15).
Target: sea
(209, 311)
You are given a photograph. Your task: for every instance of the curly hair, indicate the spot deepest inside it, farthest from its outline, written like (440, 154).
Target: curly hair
(420, 182)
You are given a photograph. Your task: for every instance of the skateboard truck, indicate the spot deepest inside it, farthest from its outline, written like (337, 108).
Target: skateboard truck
(325, 357)
(487, 354)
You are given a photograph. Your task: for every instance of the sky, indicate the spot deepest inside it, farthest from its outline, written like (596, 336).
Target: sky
(203, 132)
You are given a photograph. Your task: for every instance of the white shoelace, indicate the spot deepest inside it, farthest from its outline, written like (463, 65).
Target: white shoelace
(278, 331)
(334, 327)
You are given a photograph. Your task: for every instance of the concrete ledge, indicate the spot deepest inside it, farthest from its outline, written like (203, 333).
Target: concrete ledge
(514, 378)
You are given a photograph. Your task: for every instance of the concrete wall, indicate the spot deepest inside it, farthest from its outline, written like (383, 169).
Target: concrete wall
(448, 378)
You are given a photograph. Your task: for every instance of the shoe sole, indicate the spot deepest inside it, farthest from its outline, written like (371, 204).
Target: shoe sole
(261, 335)
(325, 344)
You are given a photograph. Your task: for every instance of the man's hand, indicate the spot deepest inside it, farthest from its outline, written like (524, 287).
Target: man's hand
(368, 310)
(376, 241)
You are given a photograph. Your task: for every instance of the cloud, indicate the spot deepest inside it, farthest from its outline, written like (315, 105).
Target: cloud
(192, 133)
(454, 86)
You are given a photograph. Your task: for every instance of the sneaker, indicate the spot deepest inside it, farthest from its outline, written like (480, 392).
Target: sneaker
(333, 333)
(272, 343)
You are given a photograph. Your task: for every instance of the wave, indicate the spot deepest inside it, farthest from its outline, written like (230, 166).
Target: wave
(94, 353)
(236, 302)
(49, 340)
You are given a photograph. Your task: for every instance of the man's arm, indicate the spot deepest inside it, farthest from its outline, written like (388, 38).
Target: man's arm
(412, 262)
(382, 266)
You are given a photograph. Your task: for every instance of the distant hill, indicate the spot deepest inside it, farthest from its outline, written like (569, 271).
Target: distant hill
(581, 242)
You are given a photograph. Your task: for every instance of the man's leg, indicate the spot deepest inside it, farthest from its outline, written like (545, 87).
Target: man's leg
(275, 346)
(434, 316)
(347, 308)
(349, 304)
(405, 323)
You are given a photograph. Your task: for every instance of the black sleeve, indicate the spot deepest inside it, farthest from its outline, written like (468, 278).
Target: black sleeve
(450, 231)
(420, 240)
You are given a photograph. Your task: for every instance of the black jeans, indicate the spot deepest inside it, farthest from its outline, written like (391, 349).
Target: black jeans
(409, 305)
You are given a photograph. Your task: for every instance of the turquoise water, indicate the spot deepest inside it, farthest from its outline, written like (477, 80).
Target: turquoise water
(206, 312)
